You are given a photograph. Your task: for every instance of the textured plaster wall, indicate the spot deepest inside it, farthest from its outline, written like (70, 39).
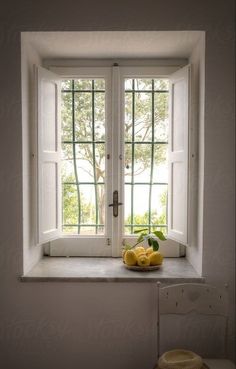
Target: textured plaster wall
(62, 325)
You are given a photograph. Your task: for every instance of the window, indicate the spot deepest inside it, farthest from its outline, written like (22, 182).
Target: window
(120, 142)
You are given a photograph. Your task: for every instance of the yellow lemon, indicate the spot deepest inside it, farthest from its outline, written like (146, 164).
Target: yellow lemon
(123, 253)
(139, 250)
(149, 251)
(130, 258)
(143, 260)
(155, 258)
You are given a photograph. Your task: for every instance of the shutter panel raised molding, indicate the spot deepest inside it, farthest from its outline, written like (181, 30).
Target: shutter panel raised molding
(48, 155)
(178, 156)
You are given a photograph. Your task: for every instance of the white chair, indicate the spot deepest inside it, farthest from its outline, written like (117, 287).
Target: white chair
(198, 317)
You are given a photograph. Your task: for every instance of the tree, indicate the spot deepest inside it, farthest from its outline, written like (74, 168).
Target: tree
(90, 157)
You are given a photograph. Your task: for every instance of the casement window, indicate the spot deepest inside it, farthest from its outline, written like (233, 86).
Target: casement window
(113, 157)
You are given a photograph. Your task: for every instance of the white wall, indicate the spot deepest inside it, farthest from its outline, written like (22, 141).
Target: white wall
(48, 325)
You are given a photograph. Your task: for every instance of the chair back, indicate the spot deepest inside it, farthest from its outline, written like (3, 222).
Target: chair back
(193, 316)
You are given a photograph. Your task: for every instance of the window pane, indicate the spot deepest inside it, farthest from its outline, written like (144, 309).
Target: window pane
(142, 162)
(99, 84)
(146, 131)
(128, 163)
(160, 168)
(84, 162)
(161, 84)
(68, 173)
(161, 116)
(83, 84)
(143, 116)
(66, 84)
(70, 204)
(66, 116)
(83, 116)
(142, 84)
(83, 159)
(128, 117)
(99, 116)
(159, 204)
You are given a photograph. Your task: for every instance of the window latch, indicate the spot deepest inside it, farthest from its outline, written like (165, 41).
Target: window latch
(115, 204)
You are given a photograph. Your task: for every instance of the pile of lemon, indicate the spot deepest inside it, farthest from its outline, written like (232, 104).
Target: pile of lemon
(142, 257)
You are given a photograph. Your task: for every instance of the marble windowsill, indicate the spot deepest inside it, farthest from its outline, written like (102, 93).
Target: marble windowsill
(88, 269)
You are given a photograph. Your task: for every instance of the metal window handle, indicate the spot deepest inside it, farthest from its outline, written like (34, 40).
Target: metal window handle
(115, 204)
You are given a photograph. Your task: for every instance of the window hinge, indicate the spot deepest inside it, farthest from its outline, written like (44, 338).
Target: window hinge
(108, 242)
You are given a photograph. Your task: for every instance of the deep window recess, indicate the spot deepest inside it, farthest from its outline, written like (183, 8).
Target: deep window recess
(113, 156)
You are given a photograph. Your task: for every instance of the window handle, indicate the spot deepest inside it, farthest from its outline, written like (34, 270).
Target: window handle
(115, 204)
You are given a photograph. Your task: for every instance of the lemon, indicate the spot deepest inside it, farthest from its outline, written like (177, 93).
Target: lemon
(155, 258)
(130, 258)
(123, 254)
(143, 260)
(149, 251)
(139, 250)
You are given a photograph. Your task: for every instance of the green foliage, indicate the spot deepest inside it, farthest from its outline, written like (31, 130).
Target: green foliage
(151, 238)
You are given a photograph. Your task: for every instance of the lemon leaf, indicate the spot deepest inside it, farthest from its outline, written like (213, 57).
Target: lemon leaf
(155, 245)
(150, 241)
(160, 235)
(140, 230)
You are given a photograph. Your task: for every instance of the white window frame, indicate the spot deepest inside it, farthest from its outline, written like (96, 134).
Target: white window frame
(77, 245)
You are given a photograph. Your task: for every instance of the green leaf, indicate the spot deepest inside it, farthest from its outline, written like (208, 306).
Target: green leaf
(160, 235)
(140, 230)
(140, 238)
(150, 241)
(155, 245)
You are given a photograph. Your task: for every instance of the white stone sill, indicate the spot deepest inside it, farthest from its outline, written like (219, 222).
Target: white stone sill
(95, 269)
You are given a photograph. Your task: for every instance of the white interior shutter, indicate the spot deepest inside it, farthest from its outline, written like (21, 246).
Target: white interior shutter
(48, 155)
(178, 156)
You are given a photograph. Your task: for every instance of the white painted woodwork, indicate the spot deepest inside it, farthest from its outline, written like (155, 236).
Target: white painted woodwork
(178, 156)
(48, 155)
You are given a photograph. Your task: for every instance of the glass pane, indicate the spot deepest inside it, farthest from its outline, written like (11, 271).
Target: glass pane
(66, 84)
(159, 205)
(127, 206)
(83, 84)
(88, 204)
(128, 117)
(128, 84)
(99, 84)
(143, 116)
(101, 204)
(70, 204)
(84, 162)
(67, 164)
(150, 125)
(100, 162)
(161, 84)
(160, 169)
(142, 162)
(141, 204)
(83, 116)
(128, 163)
(161, 116)
(66, 116)
(142, 84)
(99, 116)
(70, 229)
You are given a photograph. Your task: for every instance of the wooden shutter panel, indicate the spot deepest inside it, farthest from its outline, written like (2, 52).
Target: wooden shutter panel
(178, 156)
(48, 155)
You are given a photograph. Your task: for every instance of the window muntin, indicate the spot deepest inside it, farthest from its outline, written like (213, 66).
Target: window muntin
(145, 146)
(83, 156)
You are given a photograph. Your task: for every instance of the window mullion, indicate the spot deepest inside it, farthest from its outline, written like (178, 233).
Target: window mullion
(152, 162)
(74, 157)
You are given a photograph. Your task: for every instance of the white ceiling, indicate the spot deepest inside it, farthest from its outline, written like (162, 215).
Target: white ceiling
(113, 44)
